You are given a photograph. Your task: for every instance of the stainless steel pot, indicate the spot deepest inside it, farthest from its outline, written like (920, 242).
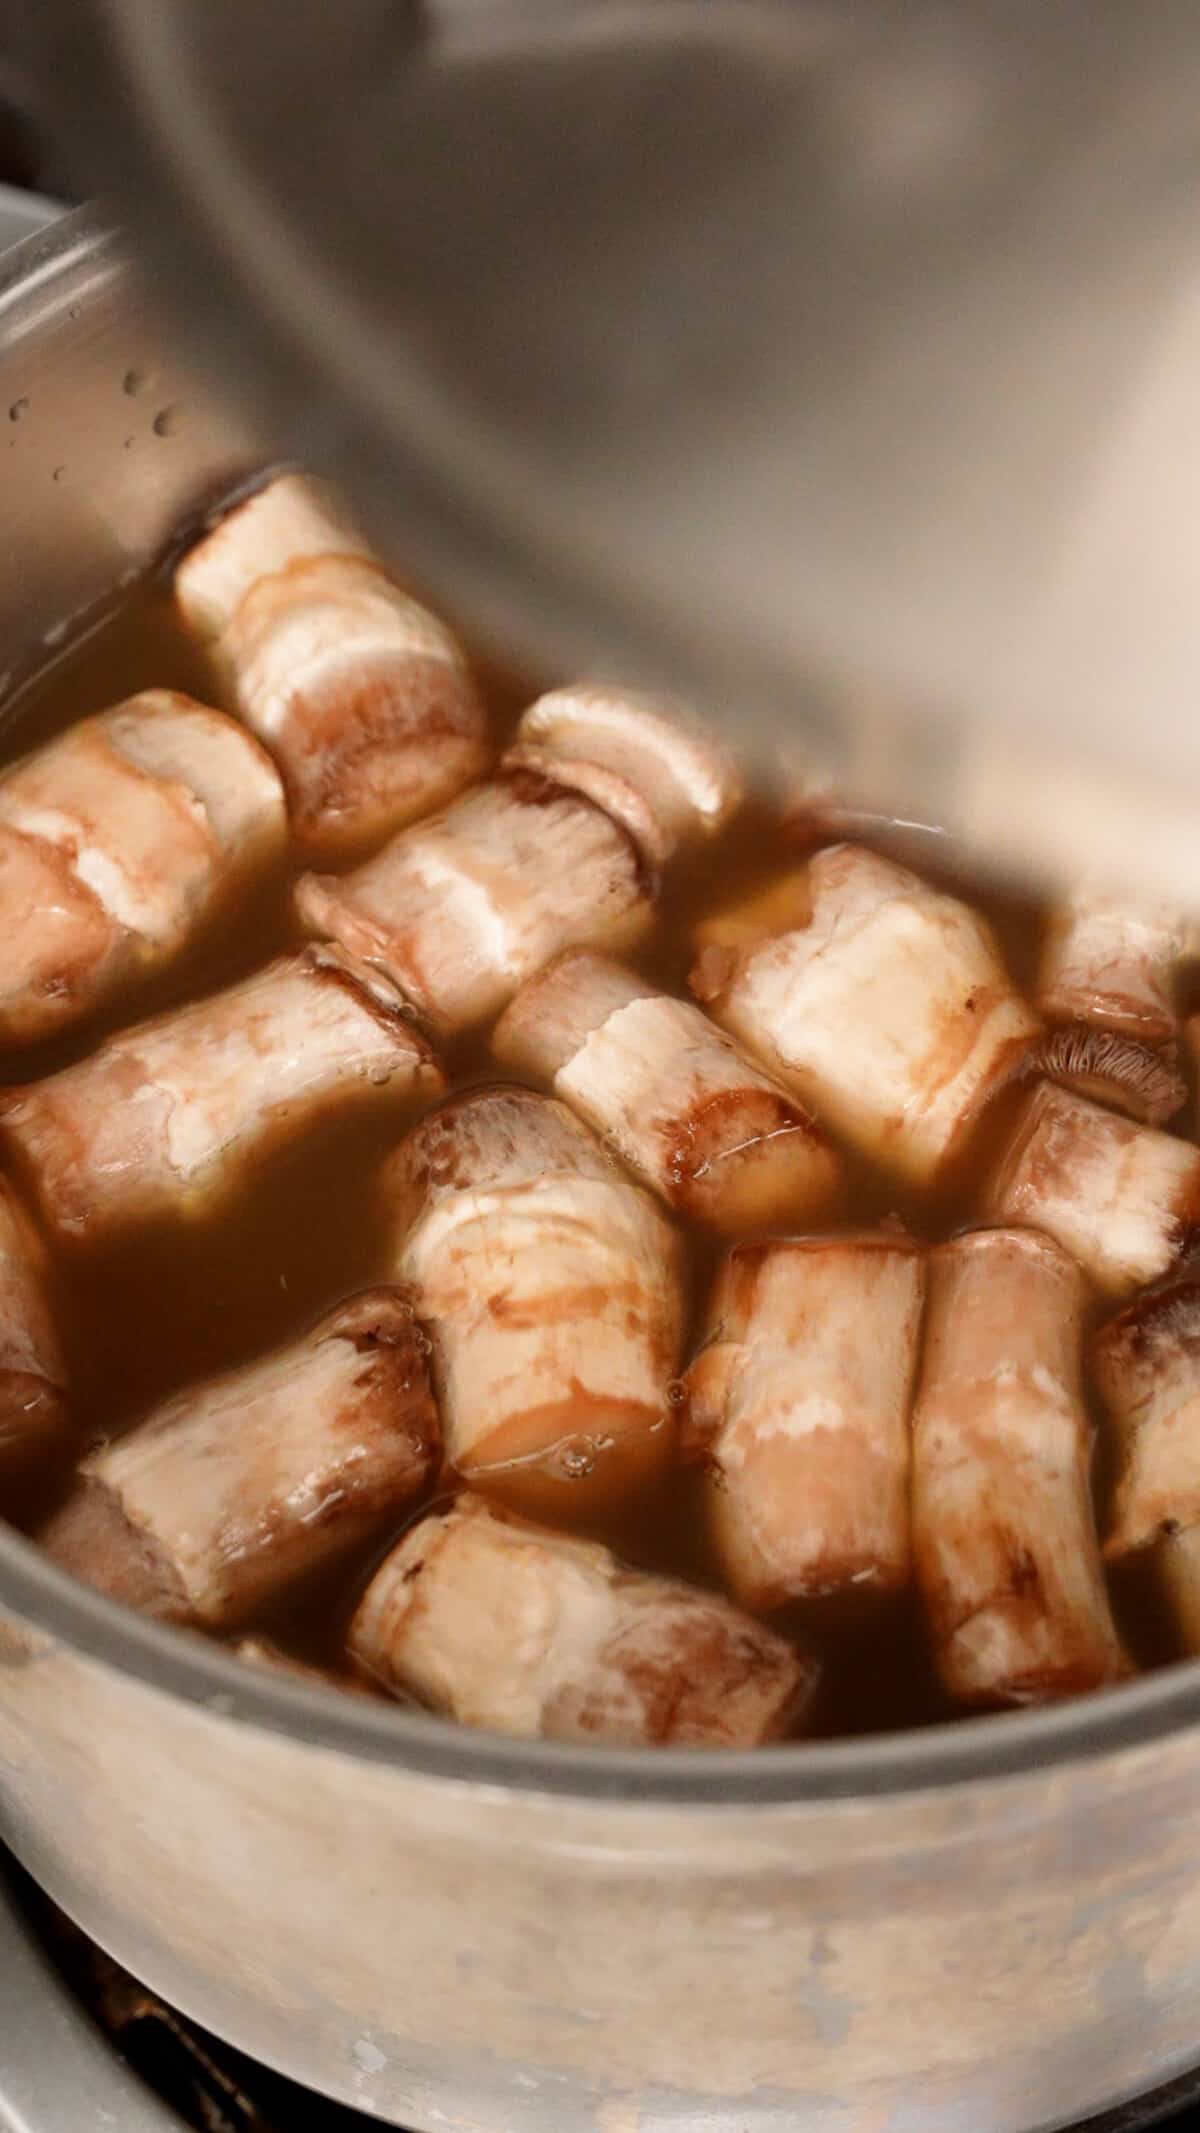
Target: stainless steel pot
(993, 1927)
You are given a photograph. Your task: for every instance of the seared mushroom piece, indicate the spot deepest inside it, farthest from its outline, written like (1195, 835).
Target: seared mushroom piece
(1119, 1196)
(163, 1118)
(461, 910)
(799, 1405)
(889, 1011)
(118, 841)
(1147, 1368)
(644, 762)
(33, 1408)
(503, 1625)
(675, 1098)
(551, 1286)
(1108, 964)
(1004, 1538)
(363, 696)
(230, 1492)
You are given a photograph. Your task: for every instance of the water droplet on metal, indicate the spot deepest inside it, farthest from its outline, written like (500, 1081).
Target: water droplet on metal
(18, 410)
(127, 443)
(58, 474)
(134, 382)
(168, 421)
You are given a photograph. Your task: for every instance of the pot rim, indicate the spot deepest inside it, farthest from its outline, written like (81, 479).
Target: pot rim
(189, 1667)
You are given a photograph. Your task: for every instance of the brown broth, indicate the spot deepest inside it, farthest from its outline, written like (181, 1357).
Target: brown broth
(180, 1301)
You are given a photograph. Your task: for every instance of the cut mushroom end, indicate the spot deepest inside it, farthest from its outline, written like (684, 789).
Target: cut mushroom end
(637, 758)
(1111, 1069)
(550, 1285)
(1114, 966)
(239, 1488)
(673, 1096)
(291, 517)
(889, 1012)
(1121, 1197)
(750, 1160)
(364, 696)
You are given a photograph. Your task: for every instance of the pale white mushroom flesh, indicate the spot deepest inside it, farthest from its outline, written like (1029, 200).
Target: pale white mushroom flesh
(460, 910)
(551, 1287)
(1106, 962)
(225, 1496)
(672, 1095)
(363, 696)
(507, 1626)
(889, 1010)
(119, 840)
(646, 762)
(1122, 1197)
(165, 1117)
(799, 1406)
(1004, 1535)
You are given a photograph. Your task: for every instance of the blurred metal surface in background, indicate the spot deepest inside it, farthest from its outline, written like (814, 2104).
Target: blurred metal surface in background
(840, 363)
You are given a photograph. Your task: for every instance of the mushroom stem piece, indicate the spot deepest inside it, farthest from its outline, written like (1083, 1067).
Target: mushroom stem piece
(1119, 1196)
(163, 1117)
(461, 910)
(890, 1012)
(363, 696)
(1105, 963)
(799, 1404)
(33, 1409)
(1003, 1531)
(233, 1490)
(675, 1098)
(118, 841)
(551, 1286)
(503, 1625)
(645, 762)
